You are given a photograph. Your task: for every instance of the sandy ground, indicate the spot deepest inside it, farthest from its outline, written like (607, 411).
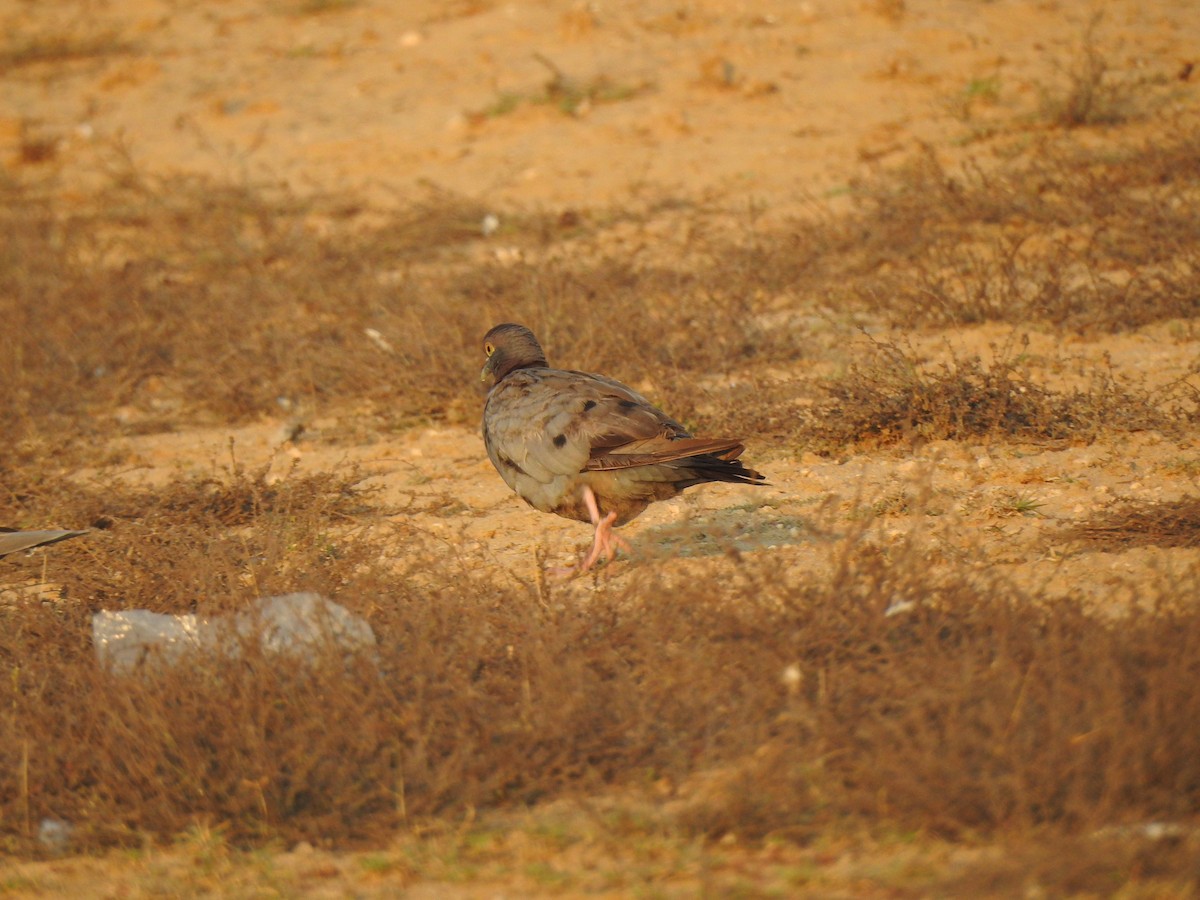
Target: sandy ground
(771, 104)
(740, 101)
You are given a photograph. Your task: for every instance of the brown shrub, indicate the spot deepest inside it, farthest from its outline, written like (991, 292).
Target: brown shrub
(1168, 523)
(1092, 865)
(1081, 241)
(894, 398)
(167, 548)
(946, 700)
(183, 300)
(950, 702)
(178, 300)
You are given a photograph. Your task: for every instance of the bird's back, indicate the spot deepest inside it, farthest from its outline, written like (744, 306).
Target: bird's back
(550, 431)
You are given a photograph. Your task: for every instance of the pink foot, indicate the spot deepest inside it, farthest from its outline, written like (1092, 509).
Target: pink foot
(605, 543)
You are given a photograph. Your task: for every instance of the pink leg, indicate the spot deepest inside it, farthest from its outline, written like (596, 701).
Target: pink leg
(606, 542)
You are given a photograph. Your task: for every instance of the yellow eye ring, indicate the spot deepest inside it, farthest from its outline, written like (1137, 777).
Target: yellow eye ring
(489, 349)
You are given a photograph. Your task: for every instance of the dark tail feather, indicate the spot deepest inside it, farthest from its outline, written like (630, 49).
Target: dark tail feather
(703, 469)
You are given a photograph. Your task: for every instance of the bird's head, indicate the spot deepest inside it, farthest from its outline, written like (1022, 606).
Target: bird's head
(509, 347)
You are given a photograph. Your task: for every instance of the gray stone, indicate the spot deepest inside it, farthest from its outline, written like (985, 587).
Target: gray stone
(290, 624)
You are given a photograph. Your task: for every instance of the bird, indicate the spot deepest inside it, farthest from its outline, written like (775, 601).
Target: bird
(587, 447)
(14, 541)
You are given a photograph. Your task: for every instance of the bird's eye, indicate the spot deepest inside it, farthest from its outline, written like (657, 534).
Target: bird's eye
(489, 349)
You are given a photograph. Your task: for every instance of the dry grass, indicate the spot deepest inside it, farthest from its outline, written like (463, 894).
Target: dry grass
(181, 300)
(145, 537)
(1094, 92)
(1088, 242)
(64, 46)
(572, 96)
(1174, 523)
(896, 398)
(766, 707)
(1097, 865)
(184, 301)
(772, 706)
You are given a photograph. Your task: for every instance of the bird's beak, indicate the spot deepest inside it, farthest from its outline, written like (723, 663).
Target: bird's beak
(487, 370)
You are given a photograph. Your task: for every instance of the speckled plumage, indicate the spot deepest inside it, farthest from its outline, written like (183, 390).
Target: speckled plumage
(555, 436)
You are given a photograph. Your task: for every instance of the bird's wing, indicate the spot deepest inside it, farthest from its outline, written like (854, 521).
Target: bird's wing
(552, 423)
(15, 541)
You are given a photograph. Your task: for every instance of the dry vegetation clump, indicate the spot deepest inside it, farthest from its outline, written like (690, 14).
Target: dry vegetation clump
(1091, 240)
(895, 398)
(206, 545)
(887, 692)
(592, 317)
(1167, 523)
(1094, 93)
(1095, 865)
(67, 45)
(971, 705)
(180, 301)
(1078, 239)
(171, 548)
(571, 95)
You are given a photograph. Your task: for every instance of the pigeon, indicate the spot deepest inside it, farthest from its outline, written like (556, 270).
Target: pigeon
(587, 447)
(15, 541)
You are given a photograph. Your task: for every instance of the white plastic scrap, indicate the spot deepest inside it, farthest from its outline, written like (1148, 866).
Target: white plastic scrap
(290, 623)
(55, 834)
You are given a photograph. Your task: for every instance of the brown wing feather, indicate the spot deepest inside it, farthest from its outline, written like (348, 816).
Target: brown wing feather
(661, 450)
(14, 541)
